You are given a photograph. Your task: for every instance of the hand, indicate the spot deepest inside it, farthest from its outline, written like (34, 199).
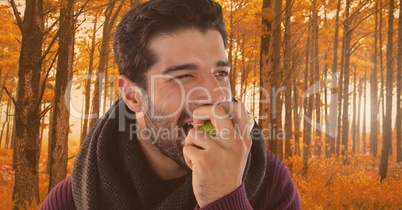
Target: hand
(218, 161)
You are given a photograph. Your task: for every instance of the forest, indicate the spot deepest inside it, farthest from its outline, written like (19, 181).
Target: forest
(322, 78)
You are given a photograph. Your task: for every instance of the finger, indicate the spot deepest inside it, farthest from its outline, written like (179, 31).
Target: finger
(216, 114)
(205, 113)
(191, 155)
(198, 138)
(240, 119)
(237, 112)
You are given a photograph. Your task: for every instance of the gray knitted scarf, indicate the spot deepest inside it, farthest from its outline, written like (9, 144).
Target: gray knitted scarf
(110, 171)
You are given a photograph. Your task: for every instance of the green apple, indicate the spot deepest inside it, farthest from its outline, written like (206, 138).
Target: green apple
(210, 129)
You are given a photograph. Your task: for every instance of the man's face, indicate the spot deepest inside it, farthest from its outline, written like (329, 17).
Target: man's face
(191, 71)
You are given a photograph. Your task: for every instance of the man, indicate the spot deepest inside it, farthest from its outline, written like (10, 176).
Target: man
(151, 150)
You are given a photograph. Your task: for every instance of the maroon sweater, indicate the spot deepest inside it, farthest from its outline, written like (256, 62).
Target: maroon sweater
(277, 191)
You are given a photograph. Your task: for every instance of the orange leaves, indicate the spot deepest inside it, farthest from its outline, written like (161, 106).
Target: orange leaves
(330, 184)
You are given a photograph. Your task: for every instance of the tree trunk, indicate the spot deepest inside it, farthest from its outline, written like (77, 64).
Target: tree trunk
(233, 74)
(107, 83)
(88, 82)
(374, 124)
(346, 54)
(234, 70)
(325, 116)
(108, 24)
(12, 140)
(398, 123)
(296, 119)
(265, 110)
(10, 131)
(6, 120)
(60, 131)
(316, 71)
(3, 84)
(50, 138)
(307, 104)
(340, 101)
(27, 118)
(354, 117)
(332, 123)
(288, 82)
(276, 78)
(382, 100)
(357, 128)
(364, 115)
(387, 135)
(317, 78)
(9, 110)
(42, 124)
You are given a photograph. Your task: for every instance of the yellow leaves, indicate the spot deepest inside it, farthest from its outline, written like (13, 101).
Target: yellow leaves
(330, 184)
(9, 46)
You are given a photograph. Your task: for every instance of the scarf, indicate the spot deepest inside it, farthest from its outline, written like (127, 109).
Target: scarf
(111, 172)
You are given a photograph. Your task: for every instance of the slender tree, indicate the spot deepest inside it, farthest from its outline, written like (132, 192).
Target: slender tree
(387, 133)
(110, 19)
(374, 124)
(364, 140)
(357, 127)
(10, 113)
(276, 79)
(288, 81)
(5, 121)
(270, 74)
(354, 118)
(59, 144)
(88, 81)
(380, 39)
(296, 118)
(265, 84)
(307, 104)
(315, 68)
(347, 36)
(233, 74)
(325, 116)
(398, 123)
(334, 86)
(27, 118)
(50, 137)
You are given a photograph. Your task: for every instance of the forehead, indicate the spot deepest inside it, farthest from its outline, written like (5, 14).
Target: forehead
(188, 46)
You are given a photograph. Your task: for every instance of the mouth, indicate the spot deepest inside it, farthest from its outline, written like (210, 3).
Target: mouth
(187, 127)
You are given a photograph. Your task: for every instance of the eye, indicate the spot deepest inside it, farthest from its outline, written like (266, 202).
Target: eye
(222, 73)
(183, 76)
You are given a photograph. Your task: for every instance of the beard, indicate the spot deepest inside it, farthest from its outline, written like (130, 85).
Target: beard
(167, 137)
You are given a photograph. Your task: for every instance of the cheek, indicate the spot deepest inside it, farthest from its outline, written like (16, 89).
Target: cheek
(227, 90)
(169, 100)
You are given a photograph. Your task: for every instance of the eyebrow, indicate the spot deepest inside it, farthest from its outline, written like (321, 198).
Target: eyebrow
(193, 66)
(223, 64)
(187, 66)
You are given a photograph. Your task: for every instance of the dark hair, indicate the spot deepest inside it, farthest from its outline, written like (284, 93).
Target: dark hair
(159, 17)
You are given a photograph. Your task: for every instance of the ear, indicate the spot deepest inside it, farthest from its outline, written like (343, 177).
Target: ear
(130, 93)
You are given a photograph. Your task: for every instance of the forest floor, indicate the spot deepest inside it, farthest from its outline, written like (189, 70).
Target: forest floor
(329, 183)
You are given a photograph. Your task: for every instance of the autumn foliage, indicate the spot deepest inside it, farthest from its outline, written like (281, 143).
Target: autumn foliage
(330, 184)
(341, 45)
